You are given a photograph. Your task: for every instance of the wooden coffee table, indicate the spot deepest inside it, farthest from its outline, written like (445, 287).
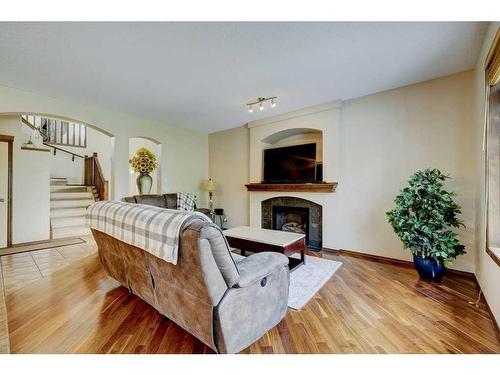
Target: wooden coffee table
(258, 240)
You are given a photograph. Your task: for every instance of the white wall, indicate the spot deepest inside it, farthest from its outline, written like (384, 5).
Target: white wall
(487, 271)
(30, 187)
(184, 162)
(62, 165)
(229, 161)
(385, 138)
(184, 152)
(371, 145)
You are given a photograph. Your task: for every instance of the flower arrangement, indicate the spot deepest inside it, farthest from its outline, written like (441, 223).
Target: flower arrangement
(144, 161)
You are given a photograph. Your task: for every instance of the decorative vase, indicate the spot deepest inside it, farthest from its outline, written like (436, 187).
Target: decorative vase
(429, 269)
(144, 183)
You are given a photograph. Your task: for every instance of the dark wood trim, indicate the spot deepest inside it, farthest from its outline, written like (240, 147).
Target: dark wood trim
(93, 176)
(493, 256)
(324, 187)
(63, 150)
(6, 138)
(35, 149)
(296, 247)
(10, 140)
(387, 260)
(366, 256)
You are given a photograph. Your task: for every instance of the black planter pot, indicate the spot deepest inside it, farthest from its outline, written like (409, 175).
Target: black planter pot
(429, 269)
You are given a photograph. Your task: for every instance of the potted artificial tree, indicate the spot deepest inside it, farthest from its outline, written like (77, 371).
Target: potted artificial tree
(423, 217)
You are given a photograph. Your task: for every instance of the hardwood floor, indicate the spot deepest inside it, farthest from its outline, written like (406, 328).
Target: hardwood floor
(4, 332)
(22, 269)
(367, 307)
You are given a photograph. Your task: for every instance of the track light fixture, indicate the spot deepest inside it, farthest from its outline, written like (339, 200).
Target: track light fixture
(260, 102)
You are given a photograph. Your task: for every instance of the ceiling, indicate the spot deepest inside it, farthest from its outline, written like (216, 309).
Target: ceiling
(200, 75)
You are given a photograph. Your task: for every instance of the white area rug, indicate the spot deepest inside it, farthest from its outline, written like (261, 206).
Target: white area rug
(306, 280)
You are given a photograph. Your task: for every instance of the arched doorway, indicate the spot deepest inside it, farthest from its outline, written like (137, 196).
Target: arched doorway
(51, 154)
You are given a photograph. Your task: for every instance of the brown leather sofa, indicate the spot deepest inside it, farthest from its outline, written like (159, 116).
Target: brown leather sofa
(227, 304)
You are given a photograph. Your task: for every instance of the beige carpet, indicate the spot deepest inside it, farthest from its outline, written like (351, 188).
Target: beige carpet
(306, 280)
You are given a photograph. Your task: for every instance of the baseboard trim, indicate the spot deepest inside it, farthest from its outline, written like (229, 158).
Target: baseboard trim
(387, 260)
(495, 323)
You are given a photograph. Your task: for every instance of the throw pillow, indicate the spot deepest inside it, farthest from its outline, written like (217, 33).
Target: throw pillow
(186, 201)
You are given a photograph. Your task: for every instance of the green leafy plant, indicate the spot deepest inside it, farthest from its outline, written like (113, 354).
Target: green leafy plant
(424, 215)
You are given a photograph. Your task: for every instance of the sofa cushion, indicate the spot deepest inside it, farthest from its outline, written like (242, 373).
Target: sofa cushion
(221, 252)
(171, 200)
(186, 201)
(257, 266)
(151, 200)
(129, 199)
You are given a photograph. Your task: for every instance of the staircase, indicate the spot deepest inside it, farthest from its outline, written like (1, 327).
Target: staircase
(68, 205)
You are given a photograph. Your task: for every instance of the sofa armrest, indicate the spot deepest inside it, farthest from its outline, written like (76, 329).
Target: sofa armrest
(257, 266)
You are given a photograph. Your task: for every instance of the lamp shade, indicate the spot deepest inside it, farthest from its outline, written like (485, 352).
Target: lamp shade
(210, 186)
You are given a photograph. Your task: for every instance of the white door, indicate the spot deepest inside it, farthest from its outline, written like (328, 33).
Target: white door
(4, 186)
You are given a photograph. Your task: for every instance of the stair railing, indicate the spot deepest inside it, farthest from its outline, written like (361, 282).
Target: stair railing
(94, 176)
(45, 143)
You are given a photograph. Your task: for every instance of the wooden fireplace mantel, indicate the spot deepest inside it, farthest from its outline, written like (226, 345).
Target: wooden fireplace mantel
(323, 187)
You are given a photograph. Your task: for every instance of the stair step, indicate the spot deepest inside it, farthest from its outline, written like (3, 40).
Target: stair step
(68, 188)
(62, 222)
(73, 231)
(67, 212)
(57, 181)
(71, 203)
(70, 195)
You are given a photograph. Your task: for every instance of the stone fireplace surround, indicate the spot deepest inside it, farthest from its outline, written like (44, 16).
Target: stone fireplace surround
(314, 225)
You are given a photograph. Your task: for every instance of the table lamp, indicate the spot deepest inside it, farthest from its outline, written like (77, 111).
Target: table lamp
(210, 187)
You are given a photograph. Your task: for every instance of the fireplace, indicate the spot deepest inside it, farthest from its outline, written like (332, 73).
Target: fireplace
(294, 215)
(291, 219)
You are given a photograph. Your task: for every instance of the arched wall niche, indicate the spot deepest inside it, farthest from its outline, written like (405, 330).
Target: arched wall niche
(293, 137)
(282, 135)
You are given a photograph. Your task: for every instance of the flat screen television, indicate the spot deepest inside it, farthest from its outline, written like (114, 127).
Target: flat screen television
(292, 164)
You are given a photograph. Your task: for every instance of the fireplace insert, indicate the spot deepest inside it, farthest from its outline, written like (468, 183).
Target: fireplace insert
(291, 219)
